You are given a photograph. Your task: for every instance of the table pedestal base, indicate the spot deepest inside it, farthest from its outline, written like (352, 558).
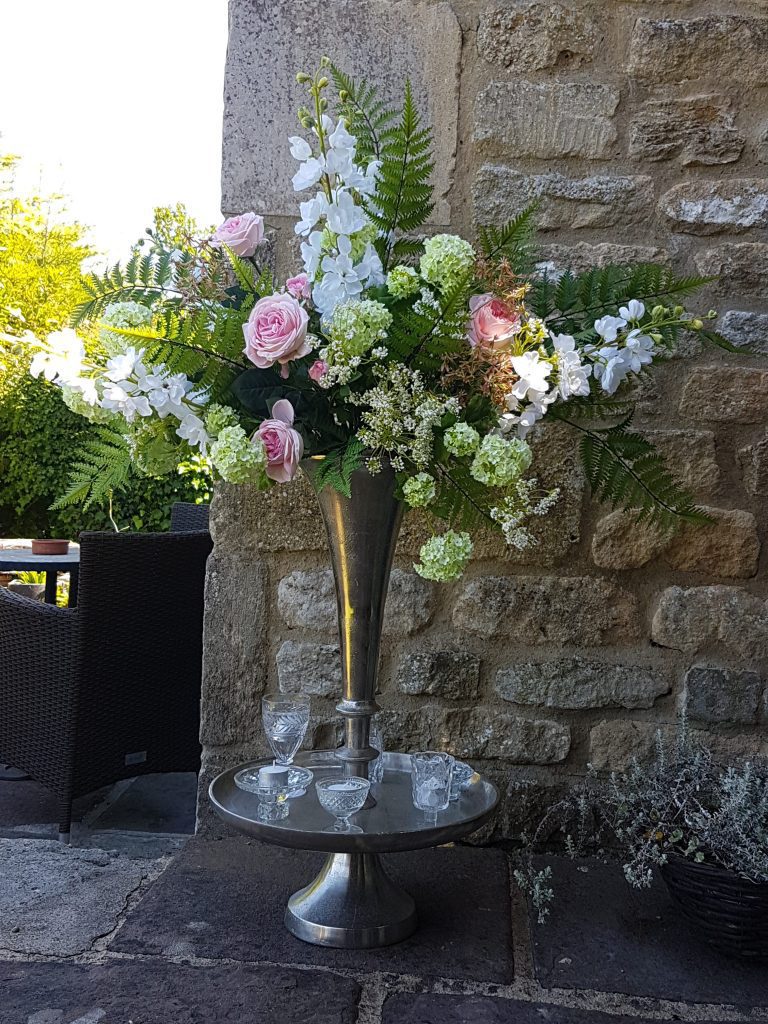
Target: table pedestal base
(352, 904)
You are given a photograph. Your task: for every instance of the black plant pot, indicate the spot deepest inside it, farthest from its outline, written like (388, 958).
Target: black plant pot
(728, 912)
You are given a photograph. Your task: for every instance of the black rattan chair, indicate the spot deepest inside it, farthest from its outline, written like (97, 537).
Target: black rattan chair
(110, 689)
(188, 518)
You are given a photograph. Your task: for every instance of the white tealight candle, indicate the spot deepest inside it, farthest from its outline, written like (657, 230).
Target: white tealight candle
(273, 776)
(343, 787)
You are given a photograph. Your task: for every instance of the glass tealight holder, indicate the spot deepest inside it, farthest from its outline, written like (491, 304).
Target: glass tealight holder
(462, 773)
(342, 798)
(272, 791)
(431, 774)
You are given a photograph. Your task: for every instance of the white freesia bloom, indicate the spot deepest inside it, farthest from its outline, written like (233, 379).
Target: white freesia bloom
(192, 429)
(310, 172)
(300, 148)
(533, 372)
(572, 375)
(608, 327)
(611, 366)
(62, 358)
(311, 212)
(639, 350)
(633, 310)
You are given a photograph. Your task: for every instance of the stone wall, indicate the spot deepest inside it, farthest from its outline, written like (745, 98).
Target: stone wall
(643, 129)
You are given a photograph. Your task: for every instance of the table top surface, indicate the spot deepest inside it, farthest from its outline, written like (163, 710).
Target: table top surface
(393, 824)
(22, 558)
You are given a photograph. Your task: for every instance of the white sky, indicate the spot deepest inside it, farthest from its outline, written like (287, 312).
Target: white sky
(118, 105)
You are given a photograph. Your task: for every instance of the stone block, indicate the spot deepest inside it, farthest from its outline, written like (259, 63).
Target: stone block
(534, 36)
(234, 648)
(728, 547)
(721, 695)
(284, 518)
(307, 600)
(382, 41)
(741, 267)
(572, 684)
(584, 256)
(547, 120)
(726, 394)
(621, 542)
(708, 207)
(673, 50)
(312, 669)
(695, 618)
(690, 454)
(697, 130)
(754, 467)
(746, 330)
(613, 744)
(454, 675)
(489, 733)
(599, 201)
(541, 610)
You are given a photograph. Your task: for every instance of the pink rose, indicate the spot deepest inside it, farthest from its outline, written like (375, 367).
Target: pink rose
(276, 332)
(492, 324)
(299, 286)
(318, 369)
(284, 445)
(242, 234)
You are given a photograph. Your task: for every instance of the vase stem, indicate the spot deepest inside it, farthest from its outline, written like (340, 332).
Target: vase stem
(362, 533)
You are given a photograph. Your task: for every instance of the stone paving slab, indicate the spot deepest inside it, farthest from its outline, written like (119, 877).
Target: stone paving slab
(161, 993)
(154, 803)
(603, 935)
(26, 806)
(56, 899)
(405, 1008)
(226, 898)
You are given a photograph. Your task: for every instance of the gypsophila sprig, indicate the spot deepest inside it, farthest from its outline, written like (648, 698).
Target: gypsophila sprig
(385, 349)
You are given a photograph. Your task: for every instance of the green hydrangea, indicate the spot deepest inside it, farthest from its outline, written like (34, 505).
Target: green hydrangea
(218, 418)
(419, 491)
(402, 281)
(499, 462)
(461, 439)
(355, 328)
(73, 399)
(123, 315)
(446, 261)
(237, 459)
(445, 557)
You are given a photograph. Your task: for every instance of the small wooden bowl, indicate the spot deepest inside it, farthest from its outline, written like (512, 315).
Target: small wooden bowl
(50, 547)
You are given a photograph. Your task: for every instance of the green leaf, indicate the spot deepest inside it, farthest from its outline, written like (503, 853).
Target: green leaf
(336, 468)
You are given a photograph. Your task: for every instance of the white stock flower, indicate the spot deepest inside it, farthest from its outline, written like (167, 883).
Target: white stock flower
(311, 212)
(310, 172)
(300, 148)
(122, 366)
(610, 368)
(340, 138)
(608, 327)
(62, 358)
(341, 278)
(192, 429)
(639, 350)
(311, 253)
(533, 372)
(370, 267)
(86, 387)
(633, 310)
(124, 399)
(344, 216)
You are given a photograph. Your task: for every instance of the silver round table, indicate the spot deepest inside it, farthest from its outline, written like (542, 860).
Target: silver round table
(353, 902)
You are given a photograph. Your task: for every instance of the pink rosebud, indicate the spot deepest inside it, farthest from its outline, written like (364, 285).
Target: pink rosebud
(242, 234)
(276, 332)
(284, 445)
(299, 286)
(492, 323)
(318, 369)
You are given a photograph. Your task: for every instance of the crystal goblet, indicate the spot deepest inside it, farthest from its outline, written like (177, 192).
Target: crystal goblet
(285, 721)
(342, 798)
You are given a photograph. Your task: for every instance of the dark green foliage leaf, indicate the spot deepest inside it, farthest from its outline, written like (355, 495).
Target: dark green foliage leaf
(624, 469)
(460, 500)
(512, 242)
(258, 390)
(102, 465)
(336, 468)
(715, 338)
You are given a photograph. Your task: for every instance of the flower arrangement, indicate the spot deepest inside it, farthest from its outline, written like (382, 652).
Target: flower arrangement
(437, 356)
(682, 804)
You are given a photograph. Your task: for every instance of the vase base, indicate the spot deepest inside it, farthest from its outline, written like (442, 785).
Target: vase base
(352, 904)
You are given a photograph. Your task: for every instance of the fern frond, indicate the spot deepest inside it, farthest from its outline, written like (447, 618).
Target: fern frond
(102, 465)
(336, 468)
(512, 242)
(459, 500)
(141, 280)
(369, 119)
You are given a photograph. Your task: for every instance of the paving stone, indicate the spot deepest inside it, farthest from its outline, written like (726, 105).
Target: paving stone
(698, 130)
(57, 899)
(599, 201)
(27, 803)
(227, 899)
(603, 935)
(382, 41)
(547, 120)
(154, 803)
(427, 1008)
(165, 993)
